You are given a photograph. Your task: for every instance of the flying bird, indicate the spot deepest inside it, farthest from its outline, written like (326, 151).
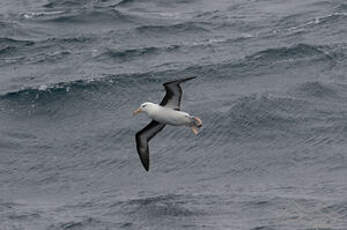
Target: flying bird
(168, 112)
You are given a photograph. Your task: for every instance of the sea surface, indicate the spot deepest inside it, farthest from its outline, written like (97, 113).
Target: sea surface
(271, 90)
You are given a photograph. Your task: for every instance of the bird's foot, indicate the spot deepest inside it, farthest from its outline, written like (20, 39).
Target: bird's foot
(195, 130)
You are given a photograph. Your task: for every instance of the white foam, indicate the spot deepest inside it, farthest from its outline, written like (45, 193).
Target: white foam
(43, 87)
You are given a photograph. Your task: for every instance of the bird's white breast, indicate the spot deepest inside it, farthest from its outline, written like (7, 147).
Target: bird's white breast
(169, 116)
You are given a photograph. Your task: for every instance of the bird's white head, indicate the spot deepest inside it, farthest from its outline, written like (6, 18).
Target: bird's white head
(145, 107)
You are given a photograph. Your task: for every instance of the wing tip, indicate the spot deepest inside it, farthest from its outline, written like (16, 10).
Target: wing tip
(180, 80)
(145, 162)
(146, 168)
(144, 157)
(189, 78)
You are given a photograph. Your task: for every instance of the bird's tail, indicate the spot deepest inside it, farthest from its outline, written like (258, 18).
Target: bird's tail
(196, 125)
(197, 122)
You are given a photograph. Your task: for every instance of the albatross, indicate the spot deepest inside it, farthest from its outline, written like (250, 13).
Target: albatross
(168, 112)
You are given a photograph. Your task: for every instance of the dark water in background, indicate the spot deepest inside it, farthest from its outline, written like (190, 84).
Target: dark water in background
(271, 92)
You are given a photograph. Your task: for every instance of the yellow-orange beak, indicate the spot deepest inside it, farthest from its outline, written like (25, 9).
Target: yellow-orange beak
(139, 110)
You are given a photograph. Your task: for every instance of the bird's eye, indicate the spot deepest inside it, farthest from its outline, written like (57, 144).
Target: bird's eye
(144, 106)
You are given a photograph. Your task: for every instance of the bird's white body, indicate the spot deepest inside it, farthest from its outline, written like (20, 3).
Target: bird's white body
(167, 115)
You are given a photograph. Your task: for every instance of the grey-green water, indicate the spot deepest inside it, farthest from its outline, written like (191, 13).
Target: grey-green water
(271, 92)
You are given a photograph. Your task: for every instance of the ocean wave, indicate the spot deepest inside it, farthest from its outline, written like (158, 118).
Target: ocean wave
(265, 111)
(95, 15)
(291, 26)
(336, 211)
(130, 54)
(265, 57)
(192, 27)
(316, 89)
(331, 18)
(342, 7)
(263, 228)
(6, 50)
(56, 41)
(54, 91)
(9, 46)
(299, 51)
(24, 216)
(208, 14)
(65, 3)
(255, 117)
(77, 39)
(127, 3)
(281, 57)
(14, 29)
(12, 41)
(15, 51)
(80, 223)
(289, 21)
(6, 206)
(273, 107)
(42, 14)
(38, 58)
(159, 206)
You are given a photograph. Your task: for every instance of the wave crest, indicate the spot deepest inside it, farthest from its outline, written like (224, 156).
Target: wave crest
(129, 54)
(315, 89)
(192, 27)
(285, 53)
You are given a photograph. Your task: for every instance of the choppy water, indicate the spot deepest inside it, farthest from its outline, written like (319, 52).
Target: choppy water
(271, 91)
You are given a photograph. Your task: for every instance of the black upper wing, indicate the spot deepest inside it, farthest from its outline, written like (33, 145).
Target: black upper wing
(173, 94)
(142, 139)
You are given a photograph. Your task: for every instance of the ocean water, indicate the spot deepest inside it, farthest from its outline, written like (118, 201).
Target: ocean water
(271, 92)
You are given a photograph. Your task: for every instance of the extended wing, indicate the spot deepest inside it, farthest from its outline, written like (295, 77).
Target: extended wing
(173, 94)
(142, 139)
